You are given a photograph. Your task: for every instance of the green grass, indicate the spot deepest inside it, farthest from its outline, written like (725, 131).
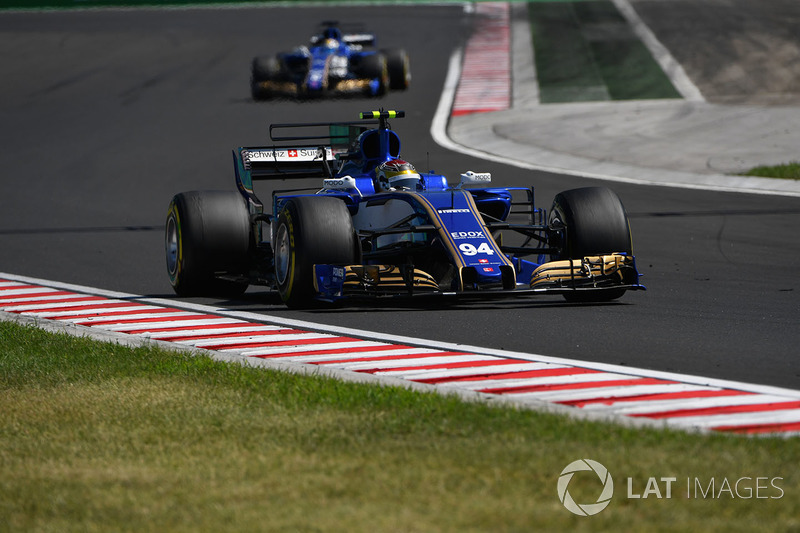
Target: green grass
(788, 171)
(99, 437)
(586, 51)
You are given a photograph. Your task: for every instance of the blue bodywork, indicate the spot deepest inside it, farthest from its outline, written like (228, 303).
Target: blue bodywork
(439, 237)
(333, 63)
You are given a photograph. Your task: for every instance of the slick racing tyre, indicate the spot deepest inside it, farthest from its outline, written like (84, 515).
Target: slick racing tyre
(207, 232)
(399, 69)
(263, 69)
(596, 223)
(374, 67)
(311, 230)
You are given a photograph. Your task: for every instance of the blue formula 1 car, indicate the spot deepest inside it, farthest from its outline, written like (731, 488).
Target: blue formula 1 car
(377, 227)
(333, 64)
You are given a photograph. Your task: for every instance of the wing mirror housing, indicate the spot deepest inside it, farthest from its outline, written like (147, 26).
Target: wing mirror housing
(475, 178)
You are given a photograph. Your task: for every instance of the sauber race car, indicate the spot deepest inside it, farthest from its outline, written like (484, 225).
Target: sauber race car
(378, 227)
(333, 64)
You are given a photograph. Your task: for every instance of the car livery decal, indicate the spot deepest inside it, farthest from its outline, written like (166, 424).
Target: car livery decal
(463, 231)
(317, 78)
(659, 399)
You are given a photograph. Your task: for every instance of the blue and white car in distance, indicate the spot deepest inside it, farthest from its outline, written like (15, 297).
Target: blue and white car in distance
(333, 64)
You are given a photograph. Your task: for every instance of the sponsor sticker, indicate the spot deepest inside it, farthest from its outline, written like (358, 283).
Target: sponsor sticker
(467, 235)
(287, 154)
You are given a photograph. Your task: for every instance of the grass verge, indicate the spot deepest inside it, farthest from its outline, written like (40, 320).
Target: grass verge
(99, 437)
(586, 51)
(788, 171)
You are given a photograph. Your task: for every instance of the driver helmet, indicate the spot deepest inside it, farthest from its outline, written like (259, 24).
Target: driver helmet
(397, 175)
(331, 37)
(332, 33)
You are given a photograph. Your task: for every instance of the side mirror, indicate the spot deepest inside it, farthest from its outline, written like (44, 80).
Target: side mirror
(345, 183)
(475, 178)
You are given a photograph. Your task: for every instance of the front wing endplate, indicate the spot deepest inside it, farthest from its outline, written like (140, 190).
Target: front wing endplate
(591, 272)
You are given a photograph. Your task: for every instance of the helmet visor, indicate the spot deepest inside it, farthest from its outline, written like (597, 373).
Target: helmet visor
(409, 181)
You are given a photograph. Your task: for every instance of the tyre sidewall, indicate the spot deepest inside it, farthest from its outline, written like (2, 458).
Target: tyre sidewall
(596, 222)
(397, 65)
(311, 230)
(185, 274)
(213, 234)
(374, 67)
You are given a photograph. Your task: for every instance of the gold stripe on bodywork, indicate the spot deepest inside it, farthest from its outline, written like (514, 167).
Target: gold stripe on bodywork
(450, 242)
(594, 268)
(445, 236)
(487, 233)
(439, 225)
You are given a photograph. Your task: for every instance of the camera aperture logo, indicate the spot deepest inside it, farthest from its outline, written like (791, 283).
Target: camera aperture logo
(585, 509)
(711, 489)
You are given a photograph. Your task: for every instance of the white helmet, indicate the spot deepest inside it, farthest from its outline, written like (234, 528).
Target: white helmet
(396, 175)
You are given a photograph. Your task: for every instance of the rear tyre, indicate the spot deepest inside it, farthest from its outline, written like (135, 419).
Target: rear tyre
(311, 230)
(207, 232)
(399, 68)
(595, 223)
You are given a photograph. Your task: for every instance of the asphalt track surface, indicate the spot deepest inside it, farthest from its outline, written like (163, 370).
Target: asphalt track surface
(104, 115)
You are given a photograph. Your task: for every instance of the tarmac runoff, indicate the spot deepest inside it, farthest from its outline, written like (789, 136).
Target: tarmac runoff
(685, 142)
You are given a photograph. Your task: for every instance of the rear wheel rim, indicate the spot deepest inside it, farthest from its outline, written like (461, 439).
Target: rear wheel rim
(172, 246)
(282, 253)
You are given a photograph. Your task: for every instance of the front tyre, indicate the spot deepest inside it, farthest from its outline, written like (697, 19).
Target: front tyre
(311, 230)
(207, 233)
(374, 67)
(593, 222)
(399, 68)
(263, 69)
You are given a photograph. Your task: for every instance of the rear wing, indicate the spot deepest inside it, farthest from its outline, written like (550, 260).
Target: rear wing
(290, 162)
(359, 39)
(351, 33)
(299, 151)
(312, 150)
(303, 150)
(351, 39)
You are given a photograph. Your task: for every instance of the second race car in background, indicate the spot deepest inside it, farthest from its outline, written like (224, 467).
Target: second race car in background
(334, 63)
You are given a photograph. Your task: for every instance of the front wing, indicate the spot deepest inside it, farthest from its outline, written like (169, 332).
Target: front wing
(612, 271)
(595, 273)
(340, 87)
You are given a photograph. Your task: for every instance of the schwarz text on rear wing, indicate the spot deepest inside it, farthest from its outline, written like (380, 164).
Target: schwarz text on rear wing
(305, 150)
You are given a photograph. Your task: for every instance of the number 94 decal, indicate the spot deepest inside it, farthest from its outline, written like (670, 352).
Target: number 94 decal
(469, 249)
